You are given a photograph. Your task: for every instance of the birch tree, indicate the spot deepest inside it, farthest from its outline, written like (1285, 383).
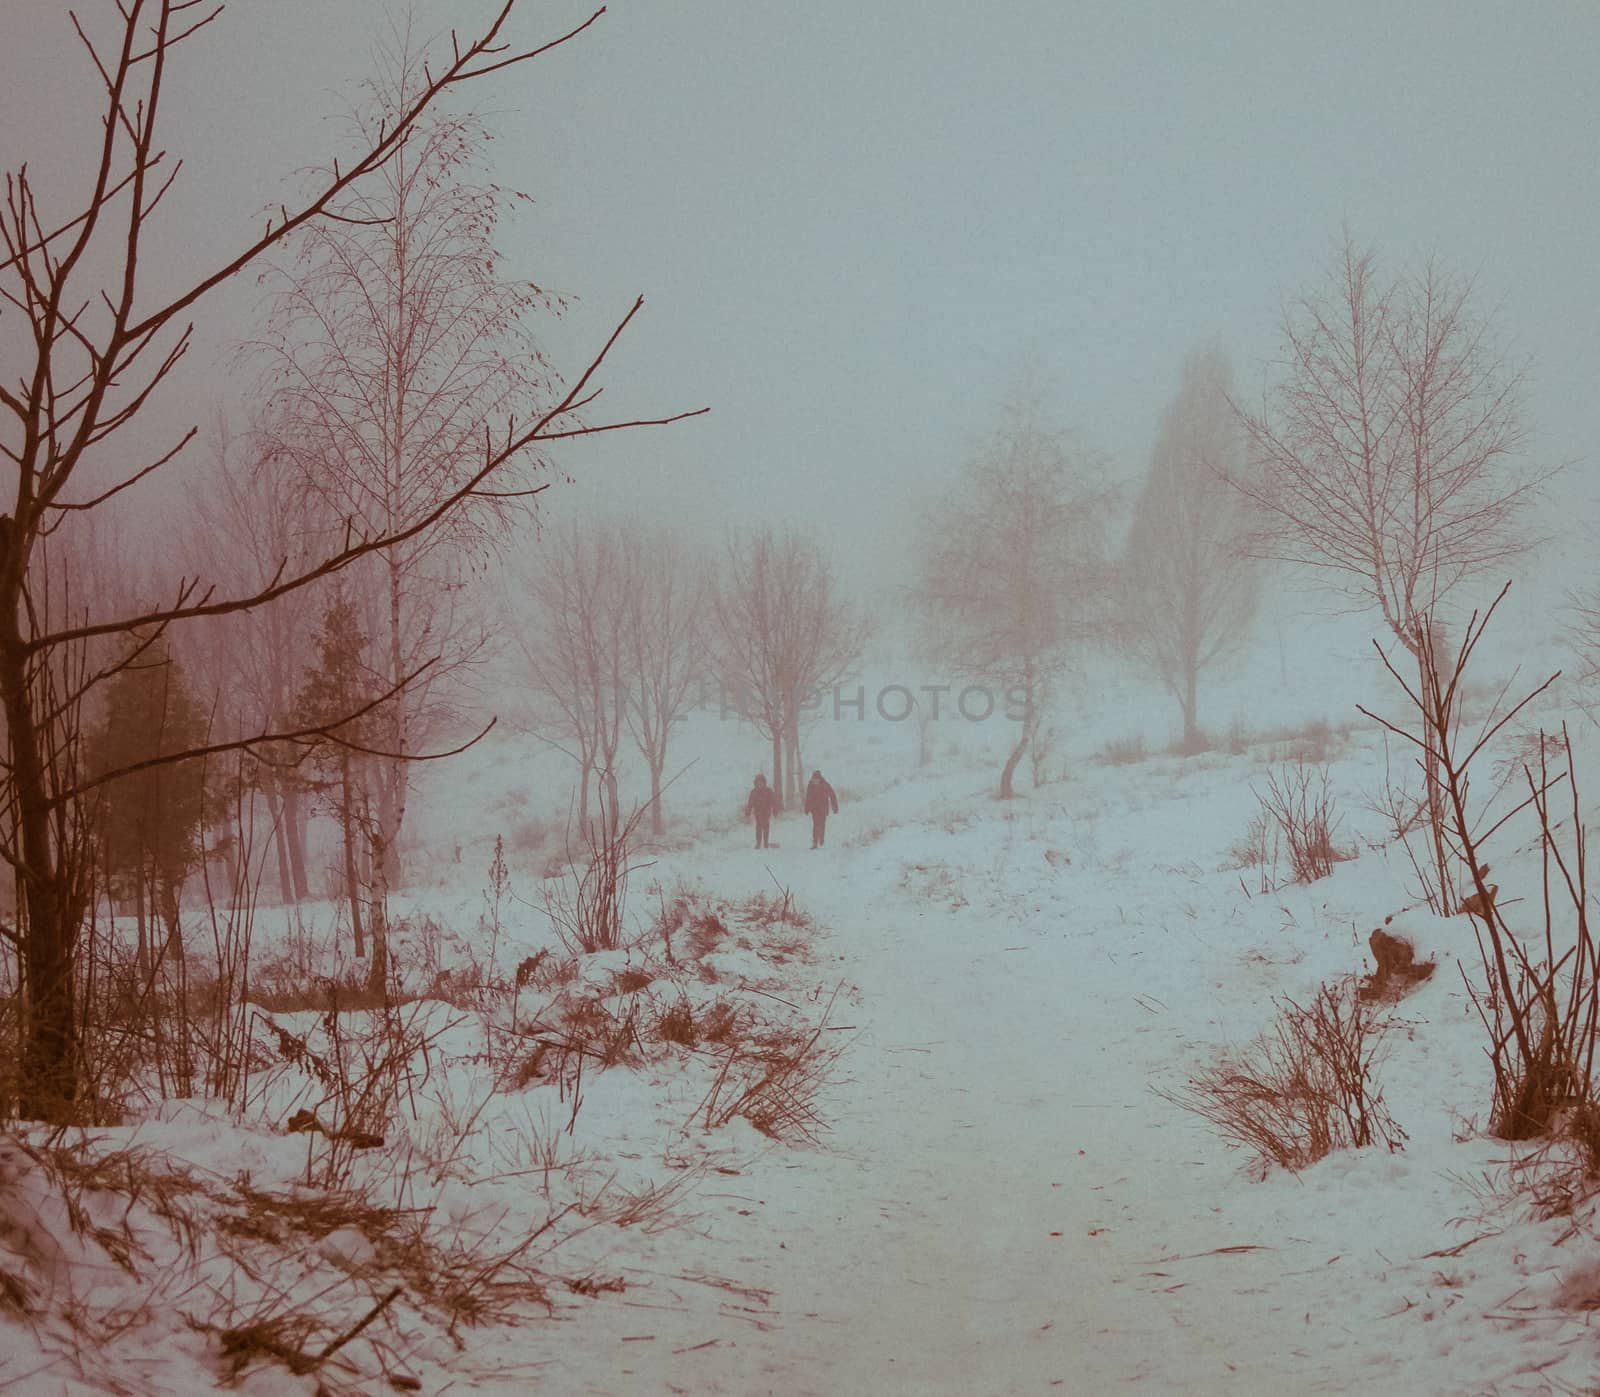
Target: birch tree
(396, 334)
(783, 634)
(664, 590)
(1013, 574)
(1186, 587)
(1387, 454)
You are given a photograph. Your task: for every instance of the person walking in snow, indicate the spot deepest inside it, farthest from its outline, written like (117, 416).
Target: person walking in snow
(763, 801)
(820, 799)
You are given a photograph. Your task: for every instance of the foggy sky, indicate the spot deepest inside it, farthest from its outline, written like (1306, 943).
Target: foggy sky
(854, 224)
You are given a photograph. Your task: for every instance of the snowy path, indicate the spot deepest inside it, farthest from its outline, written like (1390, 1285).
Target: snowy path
(1002, 1205)
(1000, 1162)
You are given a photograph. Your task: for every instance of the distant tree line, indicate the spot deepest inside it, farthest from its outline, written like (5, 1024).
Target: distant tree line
(1385, 455)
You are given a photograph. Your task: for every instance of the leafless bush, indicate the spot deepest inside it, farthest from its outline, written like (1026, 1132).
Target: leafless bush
(1541, 1016)
(1300, 806)
(169, 1016)
(586, 906)
(360, 1067)
(1304, 1088)
(422, 939)
(1402, 811)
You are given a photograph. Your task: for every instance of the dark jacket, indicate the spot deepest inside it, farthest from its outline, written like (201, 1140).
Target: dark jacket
(763, 801)
(820, 797)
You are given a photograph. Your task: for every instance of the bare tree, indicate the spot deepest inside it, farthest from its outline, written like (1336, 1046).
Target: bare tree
(1187, 590)
(251, 513)
(396, 333)
(822, 639)
(1013, 571)
(783, 635)
(569, 618)
(664, 590)
(1386, 455)
(748, 658)
(93, 348)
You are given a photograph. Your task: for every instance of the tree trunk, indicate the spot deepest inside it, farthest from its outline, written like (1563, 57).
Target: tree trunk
(391, 810)
(1007, 790)
(49, 939)
(656, 823)
(165, 898)
(394, 774)
(1191, 717)
(352, 883)
(238, 866)
(777, 763)
(1030, 726)
(295, 831)
(1433, 654)
(797, 776)
(378, 969)
(142, 955)
(280, 842)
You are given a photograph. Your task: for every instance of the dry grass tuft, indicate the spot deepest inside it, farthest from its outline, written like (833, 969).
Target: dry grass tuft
(767, 910)
(1304, 1088)
(83, 1177)
(706, 933)
(1122, 752)
(654, 1208)
(676, 1024)
(777, 1082)
(630, 981)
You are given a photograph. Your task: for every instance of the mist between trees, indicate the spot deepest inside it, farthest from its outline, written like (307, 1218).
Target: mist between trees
(364, 537)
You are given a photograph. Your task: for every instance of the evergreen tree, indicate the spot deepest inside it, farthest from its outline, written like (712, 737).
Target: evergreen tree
(150, 820)
(340, 683)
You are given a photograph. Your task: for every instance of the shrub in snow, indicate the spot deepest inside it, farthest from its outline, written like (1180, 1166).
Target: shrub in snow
(1299, 805)
(1304, 1088)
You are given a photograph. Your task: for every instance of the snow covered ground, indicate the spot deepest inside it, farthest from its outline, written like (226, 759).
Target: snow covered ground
(996, 1198)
